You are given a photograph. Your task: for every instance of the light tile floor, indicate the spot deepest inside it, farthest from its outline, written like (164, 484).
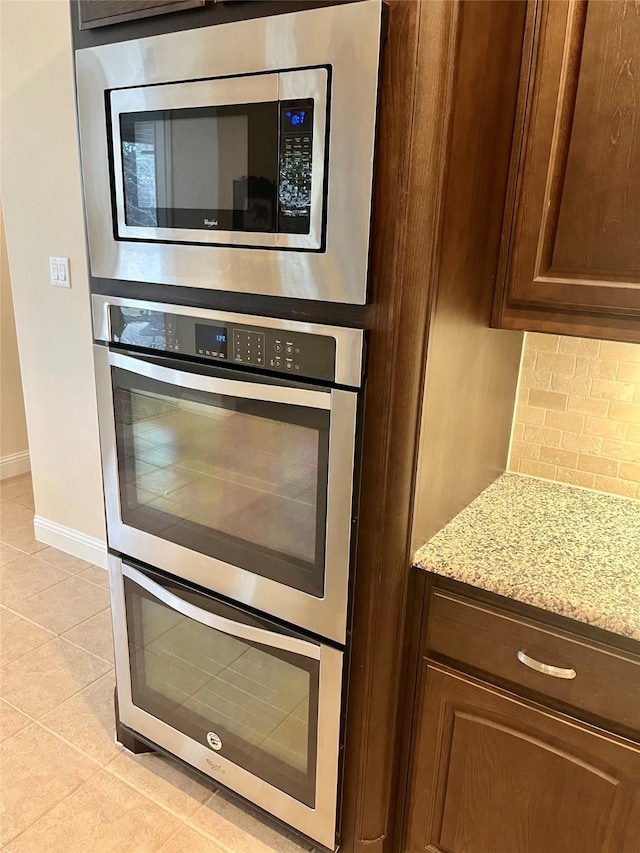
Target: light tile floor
(65, 784)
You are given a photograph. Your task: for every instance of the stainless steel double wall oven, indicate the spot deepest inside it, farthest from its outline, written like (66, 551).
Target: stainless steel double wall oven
(228, 460)
(234, 159)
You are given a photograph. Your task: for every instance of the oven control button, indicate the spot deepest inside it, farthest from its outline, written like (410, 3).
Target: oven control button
(278, 347)
(277, 362)
(214, 741)
(289, 349)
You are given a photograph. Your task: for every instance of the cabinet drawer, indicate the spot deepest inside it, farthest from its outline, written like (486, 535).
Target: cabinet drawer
(606, 681)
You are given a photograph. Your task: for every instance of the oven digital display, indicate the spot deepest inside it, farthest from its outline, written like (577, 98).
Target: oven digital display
(211, 340)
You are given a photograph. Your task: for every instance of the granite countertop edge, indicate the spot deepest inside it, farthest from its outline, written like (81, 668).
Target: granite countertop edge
(562, 549)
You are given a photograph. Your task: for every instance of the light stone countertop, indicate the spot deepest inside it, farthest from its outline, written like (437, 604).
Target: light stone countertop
(563, 549)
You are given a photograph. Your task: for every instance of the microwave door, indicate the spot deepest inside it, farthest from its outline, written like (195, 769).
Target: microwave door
(233, 161)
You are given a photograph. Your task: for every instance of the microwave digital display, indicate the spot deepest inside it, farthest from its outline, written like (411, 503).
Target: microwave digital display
(297, 120)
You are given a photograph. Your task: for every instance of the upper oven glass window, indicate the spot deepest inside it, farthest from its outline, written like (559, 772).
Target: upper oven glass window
(204, 168)
(241, 480)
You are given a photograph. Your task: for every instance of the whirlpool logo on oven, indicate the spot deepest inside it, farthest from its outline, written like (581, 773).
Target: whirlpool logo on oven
(214, 741)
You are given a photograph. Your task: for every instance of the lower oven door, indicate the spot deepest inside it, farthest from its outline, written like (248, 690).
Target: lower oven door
(253, 705)
(239, 483)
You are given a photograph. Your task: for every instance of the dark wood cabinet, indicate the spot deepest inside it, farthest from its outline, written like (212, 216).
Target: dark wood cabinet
(501, 756)
(494, 773)
(570, 258)
(100, 13)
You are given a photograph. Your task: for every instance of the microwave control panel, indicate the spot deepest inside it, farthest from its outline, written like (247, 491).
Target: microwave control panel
(299, 354)
(296, 161)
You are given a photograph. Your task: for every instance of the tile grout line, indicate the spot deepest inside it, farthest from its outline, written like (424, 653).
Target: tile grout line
(56, 636)
(7, 844)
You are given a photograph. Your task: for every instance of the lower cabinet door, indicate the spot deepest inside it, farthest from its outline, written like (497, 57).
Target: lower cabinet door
(492, 773)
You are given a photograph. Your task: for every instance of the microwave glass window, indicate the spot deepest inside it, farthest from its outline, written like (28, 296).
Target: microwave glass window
(260, 702)
(208, 168)
(244, 481)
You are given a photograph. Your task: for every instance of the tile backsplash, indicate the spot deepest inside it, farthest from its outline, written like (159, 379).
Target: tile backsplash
(577, 417)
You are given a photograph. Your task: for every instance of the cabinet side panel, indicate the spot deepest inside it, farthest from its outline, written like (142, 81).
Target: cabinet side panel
(472, 370)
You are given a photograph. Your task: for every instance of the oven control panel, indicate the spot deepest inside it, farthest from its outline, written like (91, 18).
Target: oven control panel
(293, 353)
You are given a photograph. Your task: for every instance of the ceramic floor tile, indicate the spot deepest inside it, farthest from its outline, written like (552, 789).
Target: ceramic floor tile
(12, 513)
(240, 829)
(25, 577)
(94, 635)
(45, 677)
(37, 772)
(63, 560)
(11, 721)
(163, 781)
(16, 487)
(26, 500)
(22, 537)
(188, 840)
(87, 720)
(64, 605)
(9, 554)
(17, 636)
(103, 816)
(96, 575)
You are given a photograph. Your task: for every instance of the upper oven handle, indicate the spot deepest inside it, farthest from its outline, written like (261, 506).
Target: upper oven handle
(220, 623)
(228, 387)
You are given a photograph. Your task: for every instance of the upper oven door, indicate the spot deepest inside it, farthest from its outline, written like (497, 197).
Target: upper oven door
(233, 161)
(240, 485)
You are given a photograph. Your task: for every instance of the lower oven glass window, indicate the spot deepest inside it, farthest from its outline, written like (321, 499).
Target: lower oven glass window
(244, 481)
(253, 704)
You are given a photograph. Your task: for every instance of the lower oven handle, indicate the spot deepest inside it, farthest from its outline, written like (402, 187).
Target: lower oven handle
(220, 623)
(227, 387)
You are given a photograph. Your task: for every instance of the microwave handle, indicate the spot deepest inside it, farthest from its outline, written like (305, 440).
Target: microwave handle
(227, 387)
(220, 623)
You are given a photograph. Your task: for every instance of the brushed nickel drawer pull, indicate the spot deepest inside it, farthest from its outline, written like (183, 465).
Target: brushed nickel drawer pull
(547, 669)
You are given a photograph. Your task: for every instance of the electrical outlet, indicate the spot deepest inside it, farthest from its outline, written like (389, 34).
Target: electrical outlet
(59, 270)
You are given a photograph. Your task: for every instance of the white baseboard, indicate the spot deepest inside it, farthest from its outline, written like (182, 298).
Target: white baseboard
(14, 464)
(72, 541)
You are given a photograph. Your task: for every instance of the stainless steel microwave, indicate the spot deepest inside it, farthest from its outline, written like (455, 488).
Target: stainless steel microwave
(236, 157)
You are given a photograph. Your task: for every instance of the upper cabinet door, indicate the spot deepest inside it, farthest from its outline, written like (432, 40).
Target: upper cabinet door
(99, 13)
(570, 259)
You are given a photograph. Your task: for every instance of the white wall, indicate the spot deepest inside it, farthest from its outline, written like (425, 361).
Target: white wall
(41, 194)
(14, 447)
